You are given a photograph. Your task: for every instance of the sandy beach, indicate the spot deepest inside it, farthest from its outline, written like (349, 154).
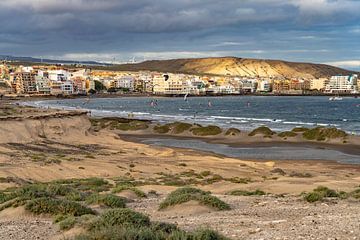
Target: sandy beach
(41, 145)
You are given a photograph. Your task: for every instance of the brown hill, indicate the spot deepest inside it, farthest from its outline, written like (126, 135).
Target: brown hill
(236, 67)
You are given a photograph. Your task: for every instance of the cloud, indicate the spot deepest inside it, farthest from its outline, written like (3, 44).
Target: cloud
(309, 30)
(347, 63)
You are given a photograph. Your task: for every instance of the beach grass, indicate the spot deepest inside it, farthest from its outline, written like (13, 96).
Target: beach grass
(187, 194)
(206, 131)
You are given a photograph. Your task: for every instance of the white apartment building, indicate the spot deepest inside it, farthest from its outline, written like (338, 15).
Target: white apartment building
(58, 75)
(342, 84)
(67, 87)
(264, 86)
(125, 82)
(43, 85)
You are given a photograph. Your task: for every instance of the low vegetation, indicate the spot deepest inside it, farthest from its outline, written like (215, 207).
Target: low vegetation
(57, 206)
(162, 129)
(122, 124)
(179, 127)
(322, 134)
(70, 201)
(186, 194)
(320, 193)
(265, 131)
(287, 134)
(107, 200)
(206, 131)
(121, 188)
(299, 129)
(257, 192)
(232, 132)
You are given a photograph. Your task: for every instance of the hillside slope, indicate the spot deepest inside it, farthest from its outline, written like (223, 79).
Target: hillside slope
(236, 67)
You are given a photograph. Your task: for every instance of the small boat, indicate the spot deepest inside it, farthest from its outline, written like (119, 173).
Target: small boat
(335, 99)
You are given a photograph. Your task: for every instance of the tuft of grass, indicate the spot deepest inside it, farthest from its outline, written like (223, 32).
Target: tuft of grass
(321, 192)
(108, 200)
(131, 125)
(265, 131)
(206, 131)
(179, 127)
(186, 194)
(120, 188)
(322, 134)
(355, 194)
(257, 192)
(287, 134)
(162, 129)
(123, 217)
(232, 132)
(67, 223)
(299, 129)
(57, 206)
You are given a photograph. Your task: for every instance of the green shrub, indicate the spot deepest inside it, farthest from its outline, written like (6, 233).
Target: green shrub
(179, 127)
(186, 194)
(207, 234)
(206, 131)
(232, 132)
(67, 223)
(299, 129)
(122, 217)
(120, 188)
(257, 192)
(108, 200)
(355, 194)
(262, 131)
(162, 129)
(57, 206)
(287, 134)
(133, 125)
(321, 134)
(320, 193)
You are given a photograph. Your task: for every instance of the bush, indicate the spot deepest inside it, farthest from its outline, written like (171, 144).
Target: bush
(108, 200)
(57, 206)
(162, 129)
(121, 188)
(232, 132)
(123, 217)
(320, 193)
(206, 131)
(67, 223)
(207, 234)
(257, 192)
(186, 194)
(179, 127)
(355, 194)
(262, 131)
(299, 129)
(287, 134)
(321, 134)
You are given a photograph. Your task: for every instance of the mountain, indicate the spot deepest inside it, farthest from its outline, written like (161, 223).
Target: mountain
(48, 61)
(236, 67)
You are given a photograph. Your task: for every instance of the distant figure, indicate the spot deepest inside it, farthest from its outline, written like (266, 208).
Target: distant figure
(1, 96)
(248, 104)
(209, 104)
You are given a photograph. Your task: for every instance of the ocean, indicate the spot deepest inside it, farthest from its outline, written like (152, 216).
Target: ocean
(243, 112)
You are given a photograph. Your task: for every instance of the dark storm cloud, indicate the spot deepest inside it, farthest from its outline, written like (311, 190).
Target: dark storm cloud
(292, 29)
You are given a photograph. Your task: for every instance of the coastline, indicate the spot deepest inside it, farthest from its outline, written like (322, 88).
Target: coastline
(70, 146)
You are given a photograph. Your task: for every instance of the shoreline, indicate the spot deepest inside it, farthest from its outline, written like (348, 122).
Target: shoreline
(138, 138)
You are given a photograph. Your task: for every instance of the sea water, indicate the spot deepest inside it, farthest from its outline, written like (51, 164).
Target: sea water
(243, 112)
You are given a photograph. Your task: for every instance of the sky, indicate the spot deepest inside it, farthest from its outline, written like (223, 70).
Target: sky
(320, 31)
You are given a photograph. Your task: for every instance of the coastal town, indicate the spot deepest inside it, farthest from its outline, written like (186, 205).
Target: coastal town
(57, 80)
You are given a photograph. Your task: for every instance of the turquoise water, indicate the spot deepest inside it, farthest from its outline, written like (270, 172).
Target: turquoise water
(243, 112)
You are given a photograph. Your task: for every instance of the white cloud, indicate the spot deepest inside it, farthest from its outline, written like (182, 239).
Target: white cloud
(347, 63)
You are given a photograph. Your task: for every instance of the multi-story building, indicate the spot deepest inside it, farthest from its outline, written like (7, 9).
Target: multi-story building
(24, 82)
(67, 87)
(318, 84)
(127, 82)
(342, 84)
(43, 85)
(264, 86)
